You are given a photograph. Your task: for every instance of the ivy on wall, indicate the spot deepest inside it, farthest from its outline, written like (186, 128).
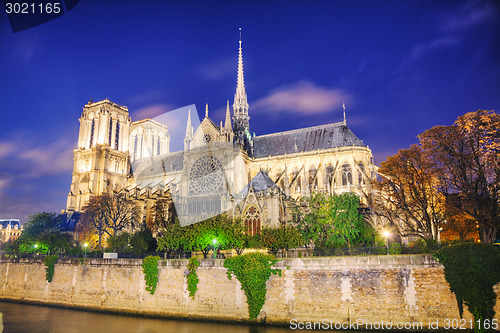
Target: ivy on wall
(252, 270)
(472, 269)
(50, 262)
(150, 270)
(192, 278)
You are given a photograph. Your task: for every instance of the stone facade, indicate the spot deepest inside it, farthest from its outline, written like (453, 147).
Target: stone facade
(10, 229)
(389, 289)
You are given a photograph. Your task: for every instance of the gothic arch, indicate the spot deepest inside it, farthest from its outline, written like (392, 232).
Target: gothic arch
(346, 174)
(252, 220)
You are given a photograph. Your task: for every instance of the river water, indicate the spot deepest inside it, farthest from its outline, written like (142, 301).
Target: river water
(25, 318)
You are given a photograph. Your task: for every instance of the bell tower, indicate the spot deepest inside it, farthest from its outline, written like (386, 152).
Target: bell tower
(101, 160)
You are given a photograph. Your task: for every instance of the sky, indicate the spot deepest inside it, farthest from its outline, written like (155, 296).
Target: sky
(401, 67)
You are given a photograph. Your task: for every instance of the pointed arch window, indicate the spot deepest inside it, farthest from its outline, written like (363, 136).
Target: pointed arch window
(92, 133)
(346, 175)
(117, 135)
(361, 171)
(252, 221)
(110, 132)
(158, 146)
(135, 146)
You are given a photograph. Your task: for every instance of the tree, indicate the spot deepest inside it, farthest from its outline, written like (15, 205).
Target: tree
(408, 197)
(38, 223)
(119, 243)
(334, 220)
(200, 236)
(143, 241)
(42, 234)
(161, 214)
(283, 238)
(108, 214)
(466, 157)
(170, 238)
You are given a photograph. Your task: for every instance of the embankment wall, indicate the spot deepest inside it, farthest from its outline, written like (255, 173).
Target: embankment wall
(375, 289)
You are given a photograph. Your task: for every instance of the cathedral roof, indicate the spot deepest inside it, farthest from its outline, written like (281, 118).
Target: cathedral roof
(156, 166)
(305, 139)
(260, 183)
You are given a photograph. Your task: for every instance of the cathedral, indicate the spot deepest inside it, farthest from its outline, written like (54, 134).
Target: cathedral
(223, 168)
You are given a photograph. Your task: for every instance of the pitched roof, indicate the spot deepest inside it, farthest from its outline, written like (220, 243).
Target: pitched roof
(157, 165)
(260, 183)
(305, 139)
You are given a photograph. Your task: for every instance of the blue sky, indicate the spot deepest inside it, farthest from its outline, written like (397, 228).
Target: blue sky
(400, 66)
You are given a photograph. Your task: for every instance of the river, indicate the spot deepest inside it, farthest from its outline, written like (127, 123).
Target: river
(26, 318)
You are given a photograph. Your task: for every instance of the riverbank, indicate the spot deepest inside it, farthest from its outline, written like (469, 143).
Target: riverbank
(335, 290)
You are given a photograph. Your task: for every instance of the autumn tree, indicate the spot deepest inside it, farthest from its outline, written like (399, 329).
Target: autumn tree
(466, 157)
(408, 198)
(107, 214)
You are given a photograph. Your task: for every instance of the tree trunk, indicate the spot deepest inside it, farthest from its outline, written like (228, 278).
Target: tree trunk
(487, 234)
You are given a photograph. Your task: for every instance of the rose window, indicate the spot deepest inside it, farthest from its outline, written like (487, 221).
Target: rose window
(205, 176)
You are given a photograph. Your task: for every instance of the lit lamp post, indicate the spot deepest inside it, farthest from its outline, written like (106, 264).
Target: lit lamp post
(215, 247)
(85, 245)
(387, 234)
(36, 249)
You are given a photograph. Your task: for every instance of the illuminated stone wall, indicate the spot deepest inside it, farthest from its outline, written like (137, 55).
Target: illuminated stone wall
(395, 289)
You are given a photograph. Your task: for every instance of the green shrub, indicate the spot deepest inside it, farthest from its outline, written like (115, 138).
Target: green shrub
(252, 270)
(381, 249)
(472, 269)
(150, 270)
(50, 262)
(395, 248)
(192, 278)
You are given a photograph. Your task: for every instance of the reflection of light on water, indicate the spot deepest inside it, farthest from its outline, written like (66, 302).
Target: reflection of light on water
(24, 318)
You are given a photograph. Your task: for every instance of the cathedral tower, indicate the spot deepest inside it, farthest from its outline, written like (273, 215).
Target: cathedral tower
(241, 126)
(101, 160)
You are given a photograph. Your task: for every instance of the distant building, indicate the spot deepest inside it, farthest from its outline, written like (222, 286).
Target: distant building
(10, 230)
(265, 173)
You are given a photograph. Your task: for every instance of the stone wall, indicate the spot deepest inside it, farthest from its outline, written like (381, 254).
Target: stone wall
(331, 291)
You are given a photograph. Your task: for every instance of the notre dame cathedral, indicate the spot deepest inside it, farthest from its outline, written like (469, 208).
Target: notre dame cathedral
(223, 168)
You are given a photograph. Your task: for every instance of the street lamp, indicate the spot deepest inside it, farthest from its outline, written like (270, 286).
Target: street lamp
(85, 249)
(214, 241)
(387, 234)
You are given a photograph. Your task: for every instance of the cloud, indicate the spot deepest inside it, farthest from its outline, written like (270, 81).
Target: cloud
(218, 69)
(6, 148)
(422, 49)
(25, 159)
(146, 97)
(471, 14)
(151, 111)
(466, 17)
(303, 97)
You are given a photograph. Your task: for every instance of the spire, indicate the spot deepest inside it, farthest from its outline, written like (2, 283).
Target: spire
(241, 125)
(206, 110)
(343, 106)
(228, 116)
(189, 132)
(240, 97)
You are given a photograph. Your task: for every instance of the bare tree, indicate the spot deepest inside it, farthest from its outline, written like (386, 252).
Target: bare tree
(108, 214)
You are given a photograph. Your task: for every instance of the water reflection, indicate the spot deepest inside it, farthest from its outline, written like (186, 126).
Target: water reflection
(25, 318)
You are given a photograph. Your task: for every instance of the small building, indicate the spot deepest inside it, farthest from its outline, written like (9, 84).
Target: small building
(10, 229)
